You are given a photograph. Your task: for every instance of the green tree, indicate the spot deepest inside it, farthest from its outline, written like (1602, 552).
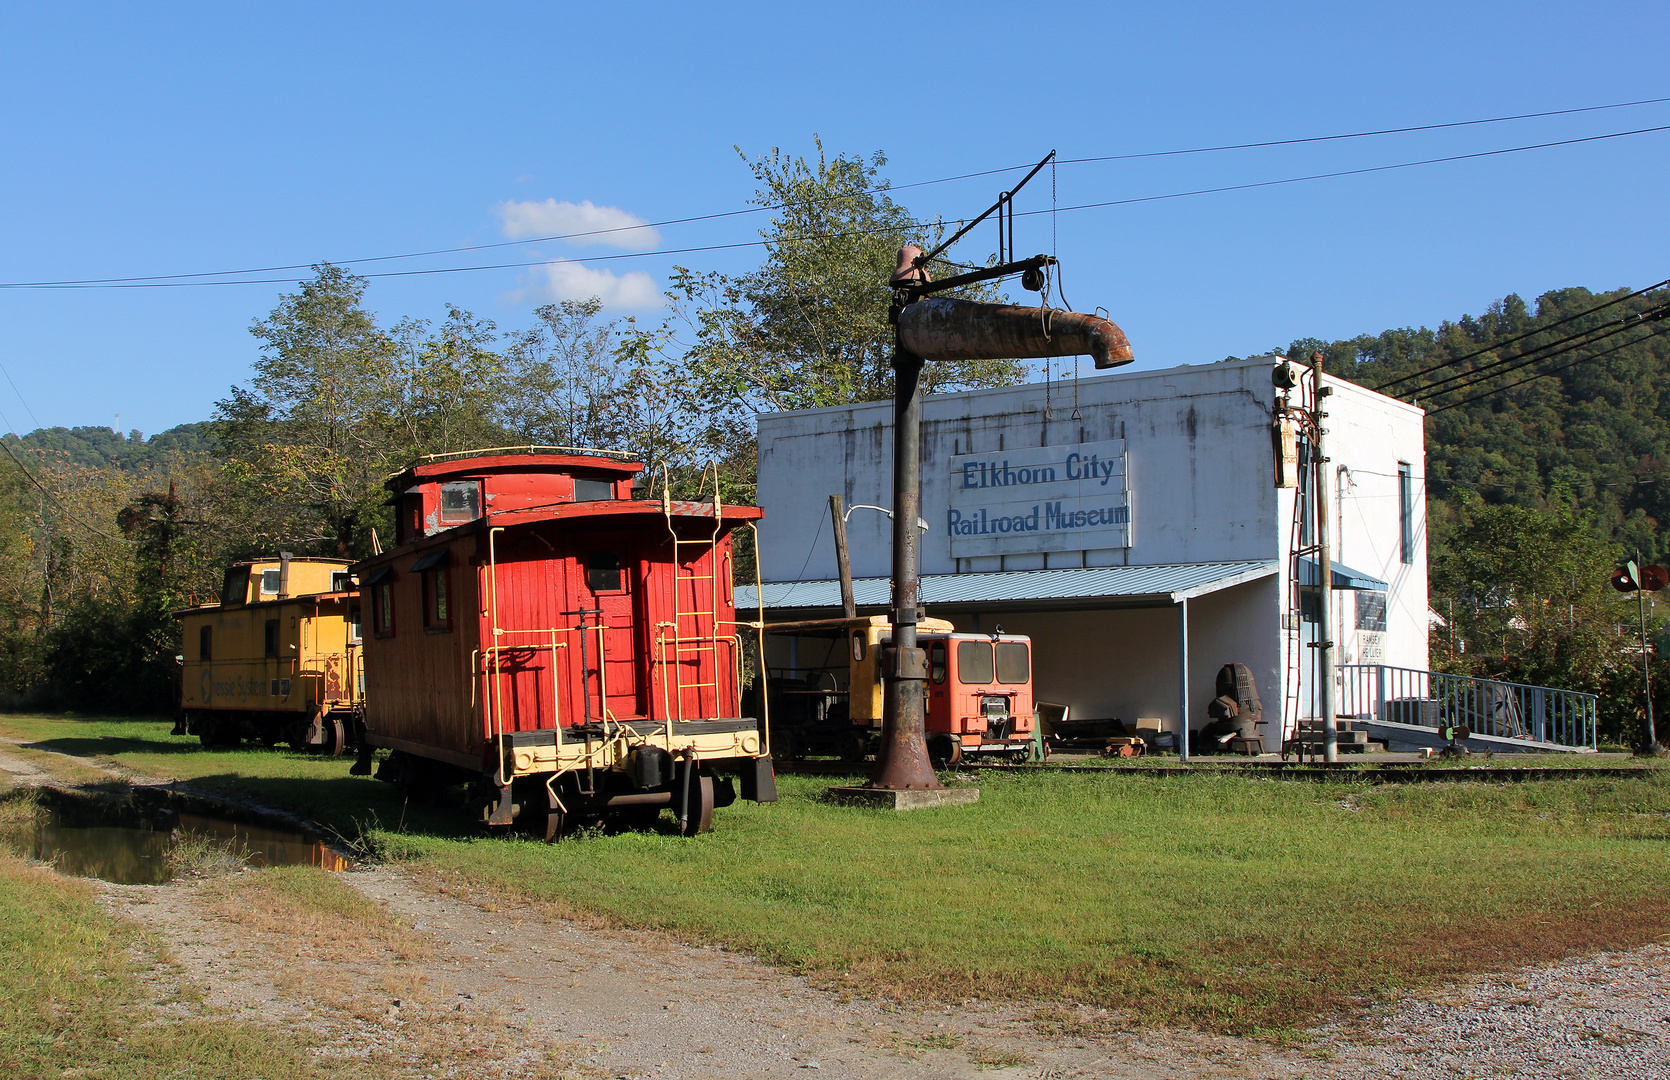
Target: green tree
(809, 327)
(1526, 594)
(337, 403)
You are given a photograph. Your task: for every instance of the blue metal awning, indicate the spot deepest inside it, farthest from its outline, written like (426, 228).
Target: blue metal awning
(1114, 586)
(1344, 577)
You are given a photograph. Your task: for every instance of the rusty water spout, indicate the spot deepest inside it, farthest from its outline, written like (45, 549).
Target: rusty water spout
(944, 329)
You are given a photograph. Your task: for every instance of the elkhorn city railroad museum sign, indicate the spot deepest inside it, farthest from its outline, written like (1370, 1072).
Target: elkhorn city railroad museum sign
(1040, 498)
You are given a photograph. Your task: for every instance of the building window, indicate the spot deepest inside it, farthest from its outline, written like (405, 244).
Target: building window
(205, 643)
(1306, 511)
(460, 502)
(1406, 510)
(270, 582)
(271, 638)
(603, 571)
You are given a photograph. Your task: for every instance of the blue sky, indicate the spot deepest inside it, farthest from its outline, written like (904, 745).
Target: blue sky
(181, 138)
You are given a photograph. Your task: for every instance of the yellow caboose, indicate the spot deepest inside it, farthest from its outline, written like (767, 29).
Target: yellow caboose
(277, 659)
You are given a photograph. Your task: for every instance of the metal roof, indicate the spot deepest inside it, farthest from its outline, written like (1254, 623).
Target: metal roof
(1125, 586)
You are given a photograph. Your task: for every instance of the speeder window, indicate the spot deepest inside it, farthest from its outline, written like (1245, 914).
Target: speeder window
(936, 661)
(974, 662)
(460, 501)
(1014, 662)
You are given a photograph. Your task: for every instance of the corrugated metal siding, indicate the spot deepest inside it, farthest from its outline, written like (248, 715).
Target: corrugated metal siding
(1094, 583)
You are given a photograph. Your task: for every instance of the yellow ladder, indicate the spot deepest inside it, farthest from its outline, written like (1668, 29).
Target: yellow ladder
(692, 645)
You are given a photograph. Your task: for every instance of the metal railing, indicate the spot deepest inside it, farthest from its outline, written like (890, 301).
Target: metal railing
(1486, 706)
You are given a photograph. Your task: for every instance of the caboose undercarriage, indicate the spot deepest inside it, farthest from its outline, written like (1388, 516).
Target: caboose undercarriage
(631, 770)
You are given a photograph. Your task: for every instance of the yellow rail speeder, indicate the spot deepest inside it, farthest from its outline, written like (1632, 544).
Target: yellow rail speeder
(277, 659)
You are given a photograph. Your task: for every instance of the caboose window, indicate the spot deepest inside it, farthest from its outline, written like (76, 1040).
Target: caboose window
(235, 590)
(354, 623)
(593, 490)
(974, 662)
(271, 637)
(205, 643)
(341, 581)
(603, 571)
(382, 609)
(269, 582)
(460, 501)
(436, 610)
(1014, 662)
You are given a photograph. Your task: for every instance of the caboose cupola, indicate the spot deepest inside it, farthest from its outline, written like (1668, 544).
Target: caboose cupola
(445, 492)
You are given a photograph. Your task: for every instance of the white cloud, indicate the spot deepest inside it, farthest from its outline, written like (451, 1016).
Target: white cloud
(635, 291)
(611, 225)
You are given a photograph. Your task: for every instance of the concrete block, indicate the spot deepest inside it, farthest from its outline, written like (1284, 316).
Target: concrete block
(918, 799)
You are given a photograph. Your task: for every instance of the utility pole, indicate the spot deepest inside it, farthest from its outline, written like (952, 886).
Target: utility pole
(1324, 566)
(843, 562)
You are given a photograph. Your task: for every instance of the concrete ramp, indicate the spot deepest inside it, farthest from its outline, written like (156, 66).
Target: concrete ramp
(1414, 738)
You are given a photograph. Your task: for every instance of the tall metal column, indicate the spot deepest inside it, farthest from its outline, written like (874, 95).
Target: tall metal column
(903, 759)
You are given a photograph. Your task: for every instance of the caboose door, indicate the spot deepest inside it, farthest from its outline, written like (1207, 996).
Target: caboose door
(616, 661)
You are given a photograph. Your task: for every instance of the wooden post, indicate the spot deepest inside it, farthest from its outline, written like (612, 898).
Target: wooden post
(843, 564)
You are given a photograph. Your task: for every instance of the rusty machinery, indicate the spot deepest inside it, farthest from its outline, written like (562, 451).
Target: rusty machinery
(931, 328)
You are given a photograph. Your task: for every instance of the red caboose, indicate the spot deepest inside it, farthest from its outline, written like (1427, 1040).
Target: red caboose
(561, 646)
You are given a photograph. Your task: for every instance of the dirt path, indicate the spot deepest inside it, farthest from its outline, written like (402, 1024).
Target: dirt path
(455, 985)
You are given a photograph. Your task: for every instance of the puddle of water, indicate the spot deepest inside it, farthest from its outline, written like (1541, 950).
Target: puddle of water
(132, 847)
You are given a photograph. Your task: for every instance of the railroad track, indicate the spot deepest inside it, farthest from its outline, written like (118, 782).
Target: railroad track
(1391, 772)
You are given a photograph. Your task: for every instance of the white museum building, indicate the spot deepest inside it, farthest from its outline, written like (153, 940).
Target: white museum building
(1130, 524)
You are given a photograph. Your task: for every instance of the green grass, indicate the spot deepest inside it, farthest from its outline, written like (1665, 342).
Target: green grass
(1237, 903)
(70, 1004)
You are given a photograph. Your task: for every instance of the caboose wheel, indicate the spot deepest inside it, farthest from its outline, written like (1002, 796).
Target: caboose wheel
(699, 814)
(540, 815)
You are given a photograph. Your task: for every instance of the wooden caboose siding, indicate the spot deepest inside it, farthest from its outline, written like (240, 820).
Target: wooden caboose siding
(522, 567)
(418, 681)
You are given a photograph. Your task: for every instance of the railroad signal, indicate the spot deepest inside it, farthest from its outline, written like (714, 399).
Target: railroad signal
(1629, 577)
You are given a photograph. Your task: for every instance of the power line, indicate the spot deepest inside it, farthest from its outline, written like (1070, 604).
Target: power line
(1491, 370)
(1350, 172)
(1385, 386)
(1555, 371)
(1524, 363)
(1300, 141)
(176, 280)
(4, 445)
